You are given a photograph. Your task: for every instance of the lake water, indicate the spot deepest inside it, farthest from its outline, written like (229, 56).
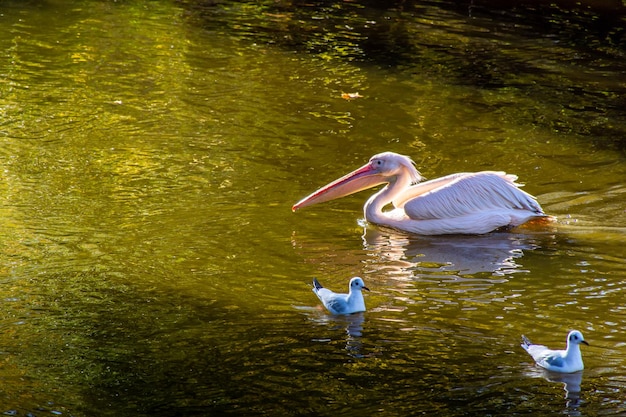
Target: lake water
(151, 152)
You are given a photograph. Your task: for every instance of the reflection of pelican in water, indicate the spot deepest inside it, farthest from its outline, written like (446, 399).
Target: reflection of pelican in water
(465, 255)
(571, 385)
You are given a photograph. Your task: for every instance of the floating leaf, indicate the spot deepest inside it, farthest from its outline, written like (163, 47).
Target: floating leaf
(350, 96)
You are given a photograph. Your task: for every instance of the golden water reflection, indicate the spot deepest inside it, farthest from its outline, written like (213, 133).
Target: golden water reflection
(150, 264)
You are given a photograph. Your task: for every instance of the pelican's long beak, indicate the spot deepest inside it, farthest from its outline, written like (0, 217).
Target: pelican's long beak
(363, 178)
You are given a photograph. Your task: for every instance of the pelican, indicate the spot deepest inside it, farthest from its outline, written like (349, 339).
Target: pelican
(463, 203)
(566, 361)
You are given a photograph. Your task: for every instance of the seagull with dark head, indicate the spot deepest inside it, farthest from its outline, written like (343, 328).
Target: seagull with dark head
(342, 303)
(566, 361)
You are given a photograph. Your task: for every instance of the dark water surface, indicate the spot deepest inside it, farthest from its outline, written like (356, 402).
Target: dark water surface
(151, 152)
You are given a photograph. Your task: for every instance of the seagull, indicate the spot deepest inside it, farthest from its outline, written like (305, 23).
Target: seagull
(567, 361)
(342, 303)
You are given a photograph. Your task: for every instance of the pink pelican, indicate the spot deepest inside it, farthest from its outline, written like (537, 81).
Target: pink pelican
(463, 203)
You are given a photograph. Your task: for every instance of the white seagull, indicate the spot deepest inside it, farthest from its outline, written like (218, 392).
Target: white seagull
(567, 361)
(342, 303)
(463, 203)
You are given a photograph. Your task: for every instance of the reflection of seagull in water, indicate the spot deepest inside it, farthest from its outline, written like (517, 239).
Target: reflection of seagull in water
(571, 384)
(568, 360)
(353, 325)
(342, 303)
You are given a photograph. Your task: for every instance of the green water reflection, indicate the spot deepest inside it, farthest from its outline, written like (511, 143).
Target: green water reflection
(152, 151)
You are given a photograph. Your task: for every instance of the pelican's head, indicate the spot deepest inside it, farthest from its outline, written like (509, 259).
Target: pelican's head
(390, 164)
(380, 169)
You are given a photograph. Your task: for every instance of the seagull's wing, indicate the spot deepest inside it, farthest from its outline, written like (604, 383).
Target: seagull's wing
(316, 285)
(324, 294)
(538, 352)
(336, 304)
(526, 343)
(553, 360)
(546, 357)
(463, 194)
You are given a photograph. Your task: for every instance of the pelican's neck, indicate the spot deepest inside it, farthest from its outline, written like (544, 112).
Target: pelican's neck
(373, 208)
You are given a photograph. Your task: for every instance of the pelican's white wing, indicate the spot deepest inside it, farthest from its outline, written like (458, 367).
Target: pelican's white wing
(465, 194)
(421, 188)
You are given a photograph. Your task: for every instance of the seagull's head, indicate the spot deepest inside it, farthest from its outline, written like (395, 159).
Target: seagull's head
(576, 338)
(357, 284)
